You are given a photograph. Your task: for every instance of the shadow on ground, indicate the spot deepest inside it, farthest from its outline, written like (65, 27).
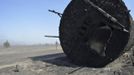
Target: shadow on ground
(58, 59)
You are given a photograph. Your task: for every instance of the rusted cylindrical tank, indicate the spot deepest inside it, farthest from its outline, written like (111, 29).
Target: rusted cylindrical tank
(91, 38)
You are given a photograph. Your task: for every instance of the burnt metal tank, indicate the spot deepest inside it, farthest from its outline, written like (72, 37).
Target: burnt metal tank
(95, 32)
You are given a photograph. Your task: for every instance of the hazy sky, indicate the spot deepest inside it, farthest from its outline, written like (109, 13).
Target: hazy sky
(27, 21)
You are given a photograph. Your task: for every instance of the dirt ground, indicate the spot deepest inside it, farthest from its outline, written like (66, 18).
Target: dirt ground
(55, 62)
